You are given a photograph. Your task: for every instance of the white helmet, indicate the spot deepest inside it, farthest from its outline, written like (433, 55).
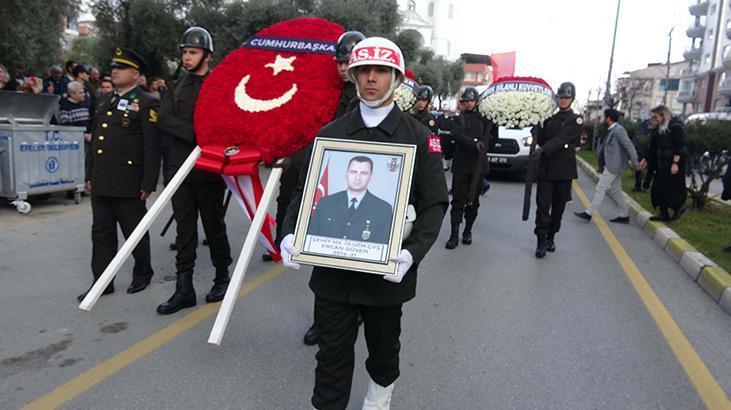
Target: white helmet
(377, 51)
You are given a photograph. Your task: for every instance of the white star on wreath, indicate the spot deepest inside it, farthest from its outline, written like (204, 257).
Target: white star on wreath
(281, 64)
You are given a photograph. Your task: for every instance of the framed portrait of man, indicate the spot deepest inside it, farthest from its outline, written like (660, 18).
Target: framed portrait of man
(354, 205)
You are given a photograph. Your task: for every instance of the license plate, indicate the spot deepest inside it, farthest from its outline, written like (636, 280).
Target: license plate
(498, 160)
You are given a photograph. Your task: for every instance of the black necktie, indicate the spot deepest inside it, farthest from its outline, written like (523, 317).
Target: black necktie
(351, 210)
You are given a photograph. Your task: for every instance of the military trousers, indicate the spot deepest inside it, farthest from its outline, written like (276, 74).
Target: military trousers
(447, 146)
(206, 198)
(337, 326)
(461, 206)
(551, 198)
(107, 212)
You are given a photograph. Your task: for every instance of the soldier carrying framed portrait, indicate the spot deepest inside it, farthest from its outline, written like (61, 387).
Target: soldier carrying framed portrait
(354, 205)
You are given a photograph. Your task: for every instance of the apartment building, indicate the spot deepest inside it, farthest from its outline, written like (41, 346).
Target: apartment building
(704, 86)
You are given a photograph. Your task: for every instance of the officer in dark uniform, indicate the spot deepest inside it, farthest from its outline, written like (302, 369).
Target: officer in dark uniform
(557, 138)
(445, 123)
(122, 168)
(341, 295)
(290, 176)
(354, 213)
(424, 95)
(201, 192)
(473, 136)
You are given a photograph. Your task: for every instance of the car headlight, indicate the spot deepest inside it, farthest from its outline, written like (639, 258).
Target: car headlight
(527, 141)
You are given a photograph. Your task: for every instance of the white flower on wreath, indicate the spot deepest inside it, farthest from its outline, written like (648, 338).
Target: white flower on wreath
(404, 97)
(517, 109)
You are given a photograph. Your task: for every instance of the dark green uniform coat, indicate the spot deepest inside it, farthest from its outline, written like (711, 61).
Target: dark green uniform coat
(124, 157)
(428, 196)
(558, 138)
(425, 117)
(466, 133)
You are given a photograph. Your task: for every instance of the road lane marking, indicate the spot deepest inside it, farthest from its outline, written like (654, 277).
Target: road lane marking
(713, 396)
(111, 366)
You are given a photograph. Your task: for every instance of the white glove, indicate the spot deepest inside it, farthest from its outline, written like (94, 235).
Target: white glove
(287, 250)
(404, 261)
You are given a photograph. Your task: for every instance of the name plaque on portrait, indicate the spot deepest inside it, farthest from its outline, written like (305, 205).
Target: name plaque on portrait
(346, 248)
(354, 205)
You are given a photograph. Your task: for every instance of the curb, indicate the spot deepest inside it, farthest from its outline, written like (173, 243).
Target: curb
(714, 280)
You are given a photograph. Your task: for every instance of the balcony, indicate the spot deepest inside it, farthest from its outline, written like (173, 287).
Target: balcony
(699, 8)
(727, 58)
(725, 88)
(693, 54)
(688, 73)
(697, 30)
(686, 96)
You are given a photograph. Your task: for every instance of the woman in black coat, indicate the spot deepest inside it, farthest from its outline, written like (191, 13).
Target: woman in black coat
(666, 158)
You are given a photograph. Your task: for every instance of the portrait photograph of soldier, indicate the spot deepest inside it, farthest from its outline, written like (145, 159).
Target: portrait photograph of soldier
(352, 212)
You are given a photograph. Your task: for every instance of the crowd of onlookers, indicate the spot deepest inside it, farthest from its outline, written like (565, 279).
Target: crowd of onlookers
(76, 84)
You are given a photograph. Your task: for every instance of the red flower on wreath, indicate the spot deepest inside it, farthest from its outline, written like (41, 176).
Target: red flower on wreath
(272, 101)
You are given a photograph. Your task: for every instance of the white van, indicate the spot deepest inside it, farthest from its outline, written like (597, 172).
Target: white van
(511, 151)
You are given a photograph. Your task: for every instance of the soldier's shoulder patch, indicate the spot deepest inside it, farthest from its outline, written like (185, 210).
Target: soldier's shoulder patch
(579, 120)
(435, 144)
(153, 116)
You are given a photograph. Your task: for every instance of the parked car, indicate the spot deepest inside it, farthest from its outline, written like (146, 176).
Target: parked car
(704, 117)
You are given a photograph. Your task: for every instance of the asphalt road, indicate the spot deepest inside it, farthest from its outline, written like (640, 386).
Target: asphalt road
(491, 326)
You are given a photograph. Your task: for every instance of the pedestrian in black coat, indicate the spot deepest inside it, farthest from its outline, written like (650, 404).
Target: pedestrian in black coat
(667, 159)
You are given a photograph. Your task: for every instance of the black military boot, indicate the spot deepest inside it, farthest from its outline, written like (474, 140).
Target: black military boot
(220, 284)
(550, 244)
(453, 238)
(541, 247)
(467, 234)
(663, 216)
(183, 297)
(310, 338)
(108, 291)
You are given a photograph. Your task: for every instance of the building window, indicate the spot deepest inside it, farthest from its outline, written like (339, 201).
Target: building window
(431, 9)
(710, 34)
(411, 5)
(707, 59)
(451, 11)
(674, 85)
(713, 9)
(726, 51)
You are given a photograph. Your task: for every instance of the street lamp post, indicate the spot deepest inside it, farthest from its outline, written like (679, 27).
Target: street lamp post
(667, 74)
(608, 101)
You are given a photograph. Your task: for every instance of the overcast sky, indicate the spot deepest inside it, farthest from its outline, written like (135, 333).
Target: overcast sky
(570, 40)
